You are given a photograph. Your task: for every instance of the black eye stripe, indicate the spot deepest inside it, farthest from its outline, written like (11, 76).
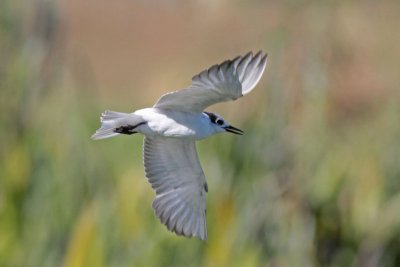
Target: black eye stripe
(214, 118)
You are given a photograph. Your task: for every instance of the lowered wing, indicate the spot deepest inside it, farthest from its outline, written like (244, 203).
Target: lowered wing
(173, 169)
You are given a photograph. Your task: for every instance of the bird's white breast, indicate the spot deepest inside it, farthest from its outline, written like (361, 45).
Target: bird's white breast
(171, 123)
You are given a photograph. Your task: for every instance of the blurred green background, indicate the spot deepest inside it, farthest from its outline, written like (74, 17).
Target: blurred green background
(314, 182)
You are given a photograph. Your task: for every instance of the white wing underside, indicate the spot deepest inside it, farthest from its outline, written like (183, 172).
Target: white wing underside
(226, 81)
(173, 169)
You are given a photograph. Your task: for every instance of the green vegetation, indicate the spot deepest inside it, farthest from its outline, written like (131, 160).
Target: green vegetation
(315, 181)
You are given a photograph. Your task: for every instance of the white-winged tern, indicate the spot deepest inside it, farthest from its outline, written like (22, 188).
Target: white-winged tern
(171, 128)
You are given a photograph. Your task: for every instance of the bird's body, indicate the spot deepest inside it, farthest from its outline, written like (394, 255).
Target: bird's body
(171, 128)
(174, 124)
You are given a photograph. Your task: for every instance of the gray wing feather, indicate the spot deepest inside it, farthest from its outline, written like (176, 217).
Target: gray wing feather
(173, 170)
(226, 81)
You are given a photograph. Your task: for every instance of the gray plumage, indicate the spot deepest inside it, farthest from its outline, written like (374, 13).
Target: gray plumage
(171, 128)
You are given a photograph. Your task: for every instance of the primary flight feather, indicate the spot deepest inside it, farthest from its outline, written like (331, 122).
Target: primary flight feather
(171, 128)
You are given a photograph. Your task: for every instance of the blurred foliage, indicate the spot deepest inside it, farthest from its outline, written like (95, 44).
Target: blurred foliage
(314, 182)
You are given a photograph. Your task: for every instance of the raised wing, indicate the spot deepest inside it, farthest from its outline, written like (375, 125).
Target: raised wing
(173, 169)
(226, 81)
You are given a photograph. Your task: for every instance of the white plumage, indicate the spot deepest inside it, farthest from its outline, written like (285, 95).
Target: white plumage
(174, 171)
(227, 81)
(171, 128)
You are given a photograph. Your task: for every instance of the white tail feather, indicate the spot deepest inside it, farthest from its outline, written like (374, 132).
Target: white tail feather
(110, 120)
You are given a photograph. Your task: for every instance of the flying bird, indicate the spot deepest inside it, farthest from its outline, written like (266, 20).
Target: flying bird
(172, 126)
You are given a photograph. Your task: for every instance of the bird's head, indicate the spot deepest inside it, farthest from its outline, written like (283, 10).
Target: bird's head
(220, 125)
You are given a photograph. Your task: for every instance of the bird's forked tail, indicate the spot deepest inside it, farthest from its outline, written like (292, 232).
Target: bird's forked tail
(112, 122)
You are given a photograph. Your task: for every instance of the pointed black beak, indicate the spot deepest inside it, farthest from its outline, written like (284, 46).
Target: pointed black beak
(234, 130)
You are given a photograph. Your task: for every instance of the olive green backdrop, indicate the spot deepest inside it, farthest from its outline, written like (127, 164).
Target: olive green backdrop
(314, 182)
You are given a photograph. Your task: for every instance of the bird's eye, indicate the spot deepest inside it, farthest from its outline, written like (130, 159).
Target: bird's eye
(219, 122)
